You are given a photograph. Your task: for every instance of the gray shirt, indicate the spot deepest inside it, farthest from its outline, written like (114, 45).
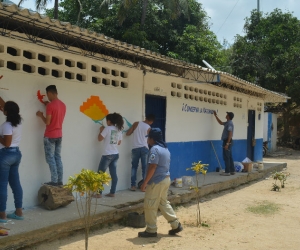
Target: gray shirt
(228, 126)
(162, 157)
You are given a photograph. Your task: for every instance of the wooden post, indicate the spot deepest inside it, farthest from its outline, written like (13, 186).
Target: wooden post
(52, 197)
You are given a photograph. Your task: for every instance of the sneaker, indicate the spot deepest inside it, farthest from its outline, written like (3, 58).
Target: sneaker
(60, 183)
(232, 173)
(225, 174)
(50, 183)
(133, 188)
(176, 230)
(145, 234)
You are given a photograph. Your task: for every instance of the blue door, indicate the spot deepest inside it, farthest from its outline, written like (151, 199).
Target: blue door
(157, 105)
(251, 135)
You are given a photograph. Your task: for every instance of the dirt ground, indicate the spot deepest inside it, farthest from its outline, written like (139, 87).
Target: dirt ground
(230, 223)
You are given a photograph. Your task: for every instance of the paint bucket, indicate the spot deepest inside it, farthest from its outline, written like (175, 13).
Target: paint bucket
(136, 220)
(178, 182)
(260, 166)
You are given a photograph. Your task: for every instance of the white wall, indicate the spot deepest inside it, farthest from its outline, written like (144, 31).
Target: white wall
(80, 146)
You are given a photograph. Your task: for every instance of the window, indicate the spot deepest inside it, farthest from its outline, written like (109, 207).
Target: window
(43, 58)
(28, 68)
(56, 73)
(28, 54)
(69, 63)
(105, 71)
(80, 77)
(115, 83)
(81, 65)
(69, 75)
(124, 74)
(96, 80)
(124, 85)
(43, 71)
(12, 51)
(114, 72)
(95, 68)
(12, 65)
(56, 60)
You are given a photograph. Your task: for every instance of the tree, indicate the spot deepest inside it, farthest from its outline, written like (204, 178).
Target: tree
(176, 7)
(86, 185)
(41, 4)
(269, 55)
(166, 29)
(197, 44)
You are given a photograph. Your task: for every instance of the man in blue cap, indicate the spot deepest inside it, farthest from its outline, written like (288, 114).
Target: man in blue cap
(227, 143)
(158, 181)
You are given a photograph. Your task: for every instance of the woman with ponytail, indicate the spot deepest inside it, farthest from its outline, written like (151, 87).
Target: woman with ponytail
(112, 137)
(10, 158)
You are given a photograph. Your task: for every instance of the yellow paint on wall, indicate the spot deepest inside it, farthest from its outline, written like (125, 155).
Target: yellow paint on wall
(94, 108)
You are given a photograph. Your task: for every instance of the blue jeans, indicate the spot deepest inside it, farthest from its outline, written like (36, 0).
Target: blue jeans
(52, 152)
(136, 155)
(110, 161)
(10, 159)
(227, 156)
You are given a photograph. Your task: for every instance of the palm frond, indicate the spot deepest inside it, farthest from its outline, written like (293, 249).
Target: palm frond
(41, 4)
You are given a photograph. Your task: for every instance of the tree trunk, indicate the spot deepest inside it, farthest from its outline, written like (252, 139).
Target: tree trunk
(56, 9)
(144, 14)
(53, 197)
(79, 12)
(286, 125)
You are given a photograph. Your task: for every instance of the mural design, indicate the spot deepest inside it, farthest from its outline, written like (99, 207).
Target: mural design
(40, 96)
(94, 109)
(97, 111)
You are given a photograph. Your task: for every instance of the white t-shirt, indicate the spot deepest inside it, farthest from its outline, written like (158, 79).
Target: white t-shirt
(111, 136)
(139, 135)
(7, 129)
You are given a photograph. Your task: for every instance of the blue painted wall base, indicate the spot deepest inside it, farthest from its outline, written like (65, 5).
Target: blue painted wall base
(183, 154)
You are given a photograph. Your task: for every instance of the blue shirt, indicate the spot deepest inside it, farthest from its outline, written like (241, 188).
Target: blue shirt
(228, 126)
(162, 157)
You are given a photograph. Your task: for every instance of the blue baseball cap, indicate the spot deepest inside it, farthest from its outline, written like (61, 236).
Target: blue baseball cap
(156, 134)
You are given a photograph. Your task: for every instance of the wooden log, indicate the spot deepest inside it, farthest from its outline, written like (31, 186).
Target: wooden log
(52, 197)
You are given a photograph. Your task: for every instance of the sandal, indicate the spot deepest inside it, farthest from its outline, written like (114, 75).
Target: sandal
(3, 232)
(110, 195)
(15, 217)
(3, 221)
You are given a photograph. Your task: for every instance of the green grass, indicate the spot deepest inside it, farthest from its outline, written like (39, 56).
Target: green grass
(264, 208)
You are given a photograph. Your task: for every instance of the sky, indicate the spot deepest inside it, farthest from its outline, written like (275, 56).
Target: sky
(227, 16)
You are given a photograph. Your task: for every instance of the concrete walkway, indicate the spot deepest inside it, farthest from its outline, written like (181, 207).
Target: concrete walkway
(42, 225)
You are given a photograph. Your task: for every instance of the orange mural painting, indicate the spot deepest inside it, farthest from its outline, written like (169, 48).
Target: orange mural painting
(40, 96)
(94, 108)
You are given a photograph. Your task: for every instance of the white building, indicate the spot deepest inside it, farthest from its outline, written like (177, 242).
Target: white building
(36, 52)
